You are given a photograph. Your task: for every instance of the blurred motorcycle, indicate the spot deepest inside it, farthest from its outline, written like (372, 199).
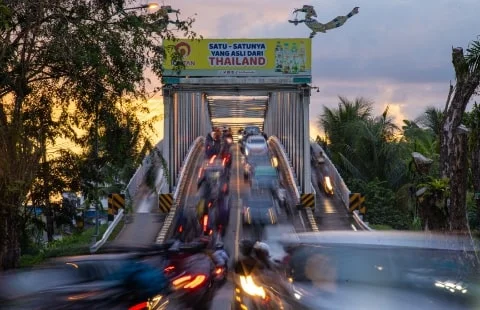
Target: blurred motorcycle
(193, 277)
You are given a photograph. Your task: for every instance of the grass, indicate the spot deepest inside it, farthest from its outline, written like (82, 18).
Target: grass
(380, 227)
(76, 244)
(117, 230)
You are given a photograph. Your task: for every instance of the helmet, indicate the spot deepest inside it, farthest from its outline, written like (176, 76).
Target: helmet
(219, 246)
(262, 250)
(246, 247)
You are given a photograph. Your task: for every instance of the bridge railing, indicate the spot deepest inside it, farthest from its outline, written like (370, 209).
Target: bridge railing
(338, 183)
(291, 179)
(131, 189)
(166, 230)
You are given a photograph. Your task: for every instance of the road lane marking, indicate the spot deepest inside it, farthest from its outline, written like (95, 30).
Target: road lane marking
(237, 230)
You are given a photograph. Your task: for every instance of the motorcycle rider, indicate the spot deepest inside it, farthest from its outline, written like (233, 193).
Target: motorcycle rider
(220, 256)
(262, 253)
(271, 272)
(247, 263)
(141, 278)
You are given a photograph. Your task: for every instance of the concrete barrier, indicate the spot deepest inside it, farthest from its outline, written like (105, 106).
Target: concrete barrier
(94, 248)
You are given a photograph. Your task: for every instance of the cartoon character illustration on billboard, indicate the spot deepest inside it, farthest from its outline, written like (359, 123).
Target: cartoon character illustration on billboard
(165, 19)
(314, 25)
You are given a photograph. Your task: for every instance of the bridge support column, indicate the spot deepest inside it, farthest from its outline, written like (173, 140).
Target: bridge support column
(168, 120)
(307, 172)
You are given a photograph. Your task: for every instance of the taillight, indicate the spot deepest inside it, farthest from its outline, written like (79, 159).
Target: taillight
(181, 280)
(198, 280)
(218, 270)
(180, 229)
(205, 222)
(140, 306)
(189, 282)
(169, 268)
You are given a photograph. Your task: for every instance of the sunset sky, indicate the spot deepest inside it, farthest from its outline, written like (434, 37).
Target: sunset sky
(395, 52)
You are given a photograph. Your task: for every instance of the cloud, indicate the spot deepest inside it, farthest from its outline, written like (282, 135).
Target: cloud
(407, 100)
(393, 52)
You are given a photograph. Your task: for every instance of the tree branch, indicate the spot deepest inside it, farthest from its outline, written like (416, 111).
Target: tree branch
(449, 97)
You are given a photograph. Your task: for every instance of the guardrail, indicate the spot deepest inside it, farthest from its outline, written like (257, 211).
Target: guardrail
(283, 153)
(292, 181)
(136, 180)
(94, 248)
(198, 143)
(339, 184)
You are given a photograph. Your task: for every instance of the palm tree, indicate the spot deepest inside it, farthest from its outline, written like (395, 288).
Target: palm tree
(378, 153)
(431, 119)
(340, 124)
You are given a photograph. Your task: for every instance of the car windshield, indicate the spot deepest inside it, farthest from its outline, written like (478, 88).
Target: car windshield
(252, 130)
(256, 141)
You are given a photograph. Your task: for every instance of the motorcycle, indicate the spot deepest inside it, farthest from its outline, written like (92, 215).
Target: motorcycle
(260, 287)
(193, 276)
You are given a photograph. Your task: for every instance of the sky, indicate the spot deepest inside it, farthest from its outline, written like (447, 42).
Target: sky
(396, 53)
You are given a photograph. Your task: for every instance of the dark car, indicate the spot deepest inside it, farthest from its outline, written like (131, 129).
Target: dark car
(383, 270)
(110, 281)
(260, 209)
(251, 162)
(265, 177)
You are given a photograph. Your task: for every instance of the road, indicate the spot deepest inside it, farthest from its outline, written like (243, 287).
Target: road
(330, 212)
(143, 225)
(146, 222)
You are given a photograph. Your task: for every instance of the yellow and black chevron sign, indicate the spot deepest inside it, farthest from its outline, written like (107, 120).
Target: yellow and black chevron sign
(115, 202)
(165, 202)
(356, 202)
(308, 200)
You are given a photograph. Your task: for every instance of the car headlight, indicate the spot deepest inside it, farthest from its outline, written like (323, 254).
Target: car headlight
(251, 288)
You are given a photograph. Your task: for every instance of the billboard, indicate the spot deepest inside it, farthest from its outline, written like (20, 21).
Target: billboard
(241, 57)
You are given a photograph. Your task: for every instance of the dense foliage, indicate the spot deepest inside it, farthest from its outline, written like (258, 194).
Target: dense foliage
(72, 69)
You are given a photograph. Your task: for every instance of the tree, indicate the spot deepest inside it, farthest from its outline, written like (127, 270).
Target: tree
(472, 120)
(431, 119)
(59, 56)
(341, 124)
(363, 147)
(453, 143)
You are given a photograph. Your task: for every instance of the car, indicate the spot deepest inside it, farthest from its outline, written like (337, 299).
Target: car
(248, 131)
(79, 282)
(265, 177)
(414, 270)
(260, 209)
(251, 162)
(255, 145)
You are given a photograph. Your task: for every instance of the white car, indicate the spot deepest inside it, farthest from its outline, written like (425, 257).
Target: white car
(256, 145)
